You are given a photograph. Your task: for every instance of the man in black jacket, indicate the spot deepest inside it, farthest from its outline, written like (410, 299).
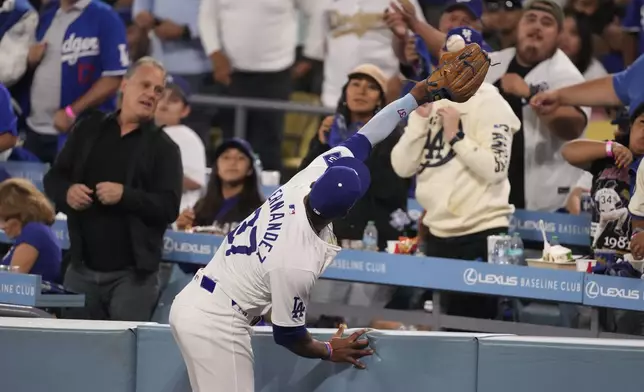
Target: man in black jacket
(118, 179)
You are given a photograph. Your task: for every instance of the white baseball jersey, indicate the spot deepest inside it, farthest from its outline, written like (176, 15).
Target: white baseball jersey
(274, 256)
(547, 174)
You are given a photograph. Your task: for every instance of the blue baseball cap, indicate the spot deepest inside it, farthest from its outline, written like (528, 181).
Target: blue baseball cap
(338, 189)
(238, 143)
(180, 85)
(475, 7)
(469, 35)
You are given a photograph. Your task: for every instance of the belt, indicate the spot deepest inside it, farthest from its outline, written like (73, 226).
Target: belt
(209, 285)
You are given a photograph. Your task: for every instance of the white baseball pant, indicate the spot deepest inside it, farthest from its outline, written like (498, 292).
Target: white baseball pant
(214, 339)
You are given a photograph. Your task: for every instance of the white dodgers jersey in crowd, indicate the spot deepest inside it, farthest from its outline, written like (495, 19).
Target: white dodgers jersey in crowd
(548, 177)
(274, 256)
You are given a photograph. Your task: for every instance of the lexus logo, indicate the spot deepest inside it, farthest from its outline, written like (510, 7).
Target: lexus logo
(592, 289)
(168, 244)
(470, 276)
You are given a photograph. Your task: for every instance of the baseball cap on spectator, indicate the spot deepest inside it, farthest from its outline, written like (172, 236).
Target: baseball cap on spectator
(474, 7)
(549, 6)
(469, 35)
(373, 72)
(238, 143)
(180, 86)
(343, 183)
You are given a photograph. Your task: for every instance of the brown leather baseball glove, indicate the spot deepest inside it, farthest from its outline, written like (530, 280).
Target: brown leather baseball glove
(458, 76)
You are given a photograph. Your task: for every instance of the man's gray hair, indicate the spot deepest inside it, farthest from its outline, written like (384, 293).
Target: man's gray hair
(147, 60)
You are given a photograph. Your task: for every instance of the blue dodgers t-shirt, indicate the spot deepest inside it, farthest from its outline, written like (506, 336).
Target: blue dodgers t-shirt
(41, 237)
(8, 119)
(628, 85)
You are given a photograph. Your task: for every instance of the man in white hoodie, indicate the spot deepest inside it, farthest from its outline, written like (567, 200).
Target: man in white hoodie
(460, 153)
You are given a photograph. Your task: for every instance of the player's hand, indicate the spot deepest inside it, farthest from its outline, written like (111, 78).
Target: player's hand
(451, 118)
(514, 84)
(623, 156)
(350, 349)
(545, 102)
(36, 53)
(186, 219)
(223, 69)
(109, 192)
(325, 126)
(78, 197)
(62, 122)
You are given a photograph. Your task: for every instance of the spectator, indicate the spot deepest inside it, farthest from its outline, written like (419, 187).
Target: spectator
(540, 179)
(172, 109)
(8, 124)
(457, 13)
(500, 21)
(77, 64)
(363, 95)
(461, 162)
(353, 27)
(118, 179)
(233, 191)
(609, 163)
(18, 21)
(174, 40)
(633, 25)
(253, 62)
(26, 216)
(576, 41)
(606, 28)
(539, 176)
(138, 42)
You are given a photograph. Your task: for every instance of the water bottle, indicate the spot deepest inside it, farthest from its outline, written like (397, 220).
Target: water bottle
(370, 237)
(516, 253)
(554, 241)
(501, 247)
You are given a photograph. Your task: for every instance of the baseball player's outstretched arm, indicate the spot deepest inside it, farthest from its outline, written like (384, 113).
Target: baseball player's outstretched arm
(384, 122)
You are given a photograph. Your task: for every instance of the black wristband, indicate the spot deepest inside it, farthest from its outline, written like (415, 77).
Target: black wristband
(157, 22)
(457, 138)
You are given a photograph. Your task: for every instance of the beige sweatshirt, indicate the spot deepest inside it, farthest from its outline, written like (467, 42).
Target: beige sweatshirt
(464, 188)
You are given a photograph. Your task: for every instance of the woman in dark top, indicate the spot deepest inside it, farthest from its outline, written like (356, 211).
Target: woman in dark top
(26, 217)
(362, 97)
(233, 190)
(233, 193)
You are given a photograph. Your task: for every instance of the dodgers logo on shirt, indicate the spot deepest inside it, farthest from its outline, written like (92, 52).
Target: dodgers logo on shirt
(76, 47)
(438, 152)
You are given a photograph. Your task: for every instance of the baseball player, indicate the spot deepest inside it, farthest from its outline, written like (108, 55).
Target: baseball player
(273, 258)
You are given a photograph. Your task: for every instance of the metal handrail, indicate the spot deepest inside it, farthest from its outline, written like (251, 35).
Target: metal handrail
(242, 105)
